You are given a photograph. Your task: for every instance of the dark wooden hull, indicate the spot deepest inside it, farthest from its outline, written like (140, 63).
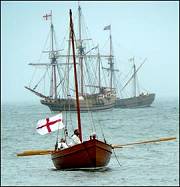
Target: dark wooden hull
(89, 154)
(135, 102)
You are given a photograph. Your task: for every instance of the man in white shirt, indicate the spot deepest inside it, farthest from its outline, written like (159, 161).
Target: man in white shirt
(62, 144)
(75, 138)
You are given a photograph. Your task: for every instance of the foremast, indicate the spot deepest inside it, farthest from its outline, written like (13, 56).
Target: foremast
(53, 55)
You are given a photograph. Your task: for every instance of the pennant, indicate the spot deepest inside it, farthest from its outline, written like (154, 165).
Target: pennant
(107, 27)
(48, 125)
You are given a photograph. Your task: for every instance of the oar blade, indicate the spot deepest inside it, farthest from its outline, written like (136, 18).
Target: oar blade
(35, 152)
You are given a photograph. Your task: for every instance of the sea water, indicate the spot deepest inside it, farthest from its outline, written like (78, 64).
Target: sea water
(153, 164)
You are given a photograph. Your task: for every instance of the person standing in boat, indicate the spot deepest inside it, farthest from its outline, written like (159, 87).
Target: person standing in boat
(75, 138)
(62, 144)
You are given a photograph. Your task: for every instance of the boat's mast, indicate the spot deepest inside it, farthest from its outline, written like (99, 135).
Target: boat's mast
(80, 50)
(99, 70)
(134, 67)
(53, 86)
(134, 74)
(75, 76)
(110, 58)
(111, 61)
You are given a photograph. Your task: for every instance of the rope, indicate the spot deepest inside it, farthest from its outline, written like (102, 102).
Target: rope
(102, 131)
(116, 158)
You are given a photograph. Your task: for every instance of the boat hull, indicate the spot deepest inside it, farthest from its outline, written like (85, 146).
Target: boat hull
(89, 154)
(135, 102)
(85, 105)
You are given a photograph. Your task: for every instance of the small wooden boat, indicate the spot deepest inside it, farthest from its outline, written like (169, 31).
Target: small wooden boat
(88, 154)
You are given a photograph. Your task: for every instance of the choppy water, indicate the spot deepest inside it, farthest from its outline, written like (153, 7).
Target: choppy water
(145, 164)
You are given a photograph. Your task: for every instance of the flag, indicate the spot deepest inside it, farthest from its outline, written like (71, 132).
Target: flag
(107, 27)
(48, 125)
(47, 15)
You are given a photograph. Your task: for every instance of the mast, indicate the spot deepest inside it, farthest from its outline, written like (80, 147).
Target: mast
(53, 62)
(99, 70)
(110, 59)
(111, 64)
(75, 76)
(134, 67)
(80, 50)
(135, 72)
(53, 56)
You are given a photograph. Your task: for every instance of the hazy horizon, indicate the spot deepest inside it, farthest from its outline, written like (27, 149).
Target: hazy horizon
(142, 29)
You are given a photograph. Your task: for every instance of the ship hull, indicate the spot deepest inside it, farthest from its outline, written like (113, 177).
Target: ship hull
(135, 102)
(89, 154)
(89, 104)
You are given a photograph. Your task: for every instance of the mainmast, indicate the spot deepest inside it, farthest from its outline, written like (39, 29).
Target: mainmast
(99, 66)
(53, 87)
(81, 50)
(111, 64)
(75, 76)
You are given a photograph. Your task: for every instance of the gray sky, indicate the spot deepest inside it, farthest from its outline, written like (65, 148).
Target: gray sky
(142, 29)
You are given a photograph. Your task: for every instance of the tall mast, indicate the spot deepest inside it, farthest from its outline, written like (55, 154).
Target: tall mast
(75, 76)
(111, 61)
(80, 50)
(53, 87)
(99, 70)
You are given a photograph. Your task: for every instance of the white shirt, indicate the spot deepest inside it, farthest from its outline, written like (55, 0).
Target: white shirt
(62, 145)
(75, 141)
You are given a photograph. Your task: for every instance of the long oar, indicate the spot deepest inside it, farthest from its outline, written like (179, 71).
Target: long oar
(35, 152)
(45, 152)
(144, 142)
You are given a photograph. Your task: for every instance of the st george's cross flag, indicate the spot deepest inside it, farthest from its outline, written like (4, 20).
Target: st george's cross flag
(48, 125)
(47, 16)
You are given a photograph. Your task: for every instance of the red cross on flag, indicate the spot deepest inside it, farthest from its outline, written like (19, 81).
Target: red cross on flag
(48, 125)
(47, 15)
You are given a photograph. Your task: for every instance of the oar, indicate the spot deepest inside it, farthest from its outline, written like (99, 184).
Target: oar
(35, 152)
(45, 152)
(144, 142)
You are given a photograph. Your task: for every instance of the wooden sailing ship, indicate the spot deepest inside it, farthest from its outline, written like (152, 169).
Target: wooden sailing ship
(88, 154)
(139, 99)
(92, 94)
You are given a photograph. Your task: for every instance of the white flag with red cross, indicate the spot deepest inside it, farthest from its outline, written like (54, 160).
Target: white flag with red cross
(48, 125)
(47, 16)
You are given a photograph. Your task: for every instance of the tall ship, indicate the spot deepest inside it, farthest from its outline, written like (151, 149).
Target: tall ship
(94, 94)
(138, 98)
